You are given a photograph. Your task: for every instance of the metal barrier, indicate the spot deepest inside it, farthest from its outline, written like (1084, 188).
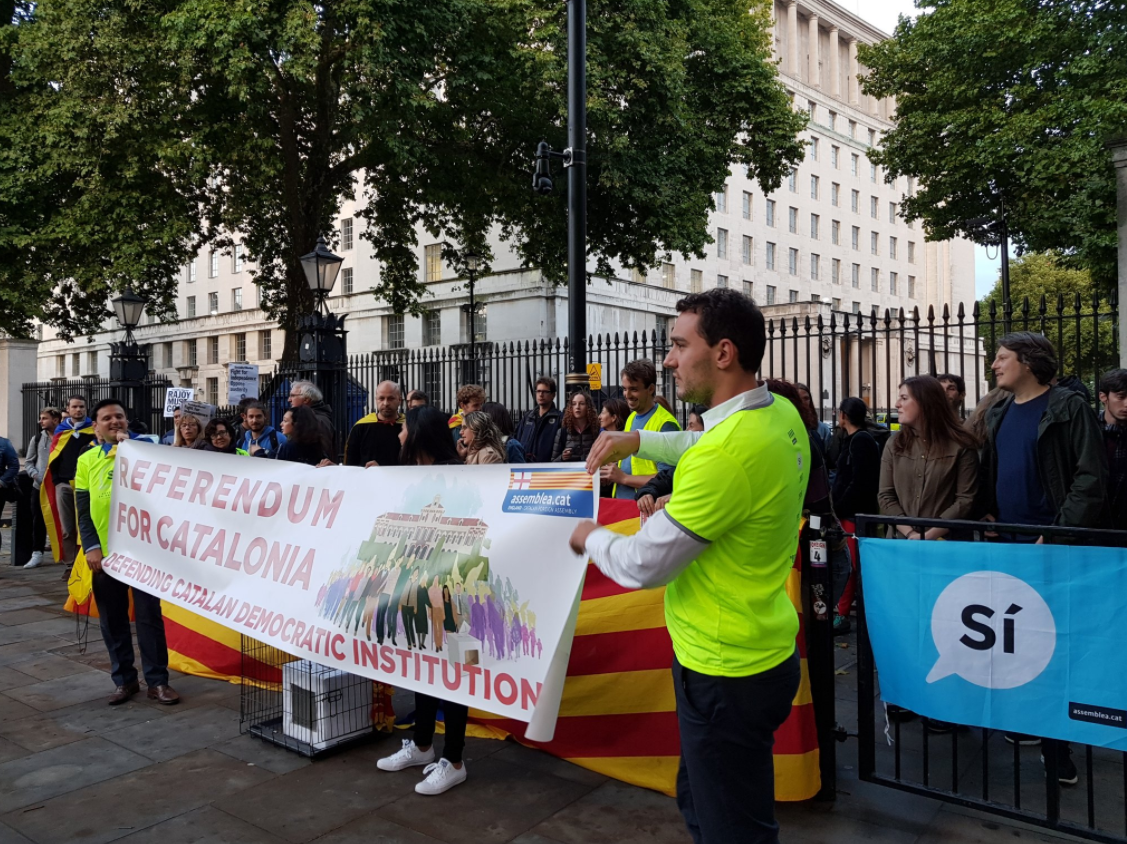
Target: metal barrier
(944, 766)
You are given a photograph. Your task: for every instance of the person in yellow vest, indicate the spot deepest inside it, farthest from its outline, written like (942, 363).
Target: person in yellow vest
(639, 389)
(723, 547)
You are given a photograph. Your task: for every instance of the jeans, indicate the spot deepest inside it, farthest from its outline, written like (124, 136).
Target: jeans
(68, 523)
(38, 526)
(112, 597)
(726, 782)
(456, 714)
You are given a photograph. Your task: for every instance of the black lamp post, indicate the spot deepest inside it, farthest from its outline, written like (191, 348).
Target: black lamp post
(129, 362)
(999, 232)
(472, 263)
(322, 345)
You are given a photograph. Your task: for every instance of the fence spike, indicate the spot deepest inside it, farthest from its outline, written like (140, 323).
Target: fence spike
(1060, 304)
(887, 318)
(962, 312)
(1078, 305)
(845, 323)
(930, 314)
(946, 312)
(820, 325)
(916, 314)
(833, 320)
(808, 323)
(1025, 307)
(1043, 307)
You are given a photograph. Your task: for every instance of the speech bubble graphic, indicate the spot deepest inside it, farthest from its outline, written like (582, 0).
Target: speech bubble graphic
(993, 630)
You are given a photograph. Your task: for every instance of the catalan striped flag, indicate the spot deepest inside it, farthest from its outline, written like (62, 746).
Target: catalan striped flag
(618, 713)
(549, 479)
(48, 502)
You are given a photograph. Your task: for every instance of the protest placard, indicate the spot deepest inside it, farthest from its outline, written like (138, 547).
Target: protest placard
(242, 382)
(174, 397)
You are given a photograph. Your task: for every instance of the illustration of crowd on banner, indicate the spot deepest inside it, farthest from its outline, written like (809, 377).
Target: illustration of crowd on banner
(1032, 452)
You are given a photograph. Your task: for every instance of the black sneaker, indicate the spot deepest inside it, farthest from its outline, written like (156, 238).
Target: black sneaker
(899, 713)
(1021, 739)
(1066, 768)
(939, 727)
(842, 625)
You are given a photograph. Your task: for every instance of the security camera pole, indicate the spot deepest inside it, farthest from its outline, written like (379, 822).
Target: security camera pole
(574, 160)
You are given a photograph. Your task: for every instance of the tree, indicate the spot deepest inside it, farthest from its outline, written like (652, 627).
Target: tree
(1062, 303)
(261, 119)
(1009, 102)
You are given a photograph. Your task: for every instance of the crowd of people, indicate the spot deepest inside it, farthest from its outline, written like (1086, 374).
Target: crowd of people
(719, 525)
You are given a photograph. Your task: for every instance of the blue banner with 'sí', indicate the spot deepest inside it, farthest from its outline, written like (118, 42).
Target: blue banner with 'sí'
(1022, 638)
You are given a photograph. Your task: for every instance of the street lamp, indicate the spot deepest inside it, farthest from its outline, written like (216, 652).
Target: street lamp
(129, 362)
(472, 263)
(321, 269)
(997, 229)
(128, 308)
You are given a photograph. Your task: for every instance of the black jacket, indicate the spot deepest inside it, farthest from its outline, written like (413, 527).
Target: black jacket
(537, 433)
(328, 432)
(371, 439)
(858, 476)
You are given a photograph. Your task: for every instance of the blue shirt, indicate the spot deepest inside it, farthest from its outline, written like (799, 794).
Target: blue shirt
(265, 441)
(1019, 492)
(640, 420)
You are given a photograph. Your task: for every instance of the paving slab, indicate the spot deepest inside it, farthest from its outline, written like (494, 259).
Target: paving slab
(41, 776)
(20, 633)
(263, 754)
(19, 602)
(114, 809)
(177, 733)
(11, 710)
(977, 828)
(537, 760)
(373, 829)
(9, 750)
(498, 802)
(10, 618)
(10, 836)
(201, 691)
(62, 692)
(206, 825)
(321, 797)
(16, 651)
(11, 678)
(53, 729)
(46, 666)
(616, 812)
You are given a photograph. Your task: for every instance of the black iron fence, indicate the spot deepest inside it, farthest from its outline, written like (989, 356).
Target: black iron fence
(145, 401)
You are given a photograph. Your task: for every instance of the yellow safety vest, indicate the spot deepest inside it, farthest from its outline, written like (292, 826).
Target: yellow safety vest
(656, 422)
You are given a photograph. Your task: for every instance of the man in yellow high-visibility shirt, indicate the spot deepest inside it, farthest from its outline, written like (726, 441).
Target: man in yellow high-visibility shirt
(724, 545)
(639, 390)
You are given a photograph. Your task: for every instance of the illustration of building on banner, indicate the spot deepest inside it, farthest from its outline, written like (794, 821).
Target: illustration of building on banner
(424, 530)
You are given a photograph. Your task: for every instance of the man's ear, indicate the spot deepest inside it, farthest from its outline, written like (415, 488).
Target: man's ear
(725, 354)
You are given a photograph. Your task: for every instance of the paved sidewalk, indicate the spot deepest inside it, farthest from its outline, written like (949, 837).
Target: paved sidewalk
(74, 770)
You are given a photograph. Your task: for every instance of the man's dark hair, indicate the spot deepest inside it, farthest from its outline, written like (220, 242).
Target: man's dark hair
(304, 426)
(641, 370)
(957, 380)
(253, 404)
(1035, 351)
(80, 397)
(428, 434)
(725, 314)
(103, 403)
(1114, 381)
(244, 403)
(500, 416)
(418, 395)
(855, 411)
(548, 382)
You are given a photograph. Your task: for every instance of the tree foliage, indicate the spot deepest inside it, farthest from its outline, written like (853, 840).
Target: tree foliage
(1009, 102)
(146, 128)
(1062, 303)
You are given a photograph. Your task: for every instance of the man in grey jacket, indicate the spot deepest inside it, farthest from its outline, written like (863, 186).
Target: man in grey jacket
(35, 464)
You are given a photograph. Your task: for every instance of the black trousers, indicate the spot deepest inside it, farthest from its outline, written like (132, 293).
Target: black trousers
(112, 597)
(726, 782)
(38, 526)
(456, 715)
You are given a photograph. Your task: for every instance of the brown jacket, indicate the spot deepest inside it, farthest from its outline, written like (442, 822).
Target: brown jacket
(485, 454)
(921, 485)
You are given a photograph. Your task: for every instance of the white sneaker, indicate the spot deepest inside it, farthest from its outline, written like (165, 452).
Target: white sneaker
(35, 561)
(408, 757)
(441, 776)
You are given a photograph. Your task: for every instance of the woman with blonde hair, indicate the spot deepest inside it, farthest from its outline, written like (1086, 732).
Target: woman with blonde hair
(482, 439)
(189, 433)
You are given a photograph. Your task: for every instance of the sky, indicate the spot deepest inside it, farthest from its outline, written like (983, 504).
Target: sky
(883, 14)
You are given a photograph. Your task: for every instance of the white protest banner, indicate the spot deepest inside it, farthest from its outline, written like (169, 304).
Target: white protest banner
(176, 396)
(452, 580)
(203, 411)
(242, 382)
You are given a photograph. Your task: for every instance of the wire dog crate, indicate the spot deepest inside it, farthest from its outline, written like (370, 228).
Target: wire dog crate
(300, 705)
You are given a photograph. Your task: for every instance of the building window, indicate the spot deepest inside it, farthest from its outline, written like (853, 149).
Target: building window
(855, 234)
(792, 296)
(193, 352)
(815, 266)
(833, 120)
(835, 233)
(432, 259)
(892, 212)
(213, 264)
(874, 279)
(770, 256)
(91, 363)
(748, 244)
(814, 221)
(192, 271)
(874, 243)
(770, 294)
(213, 303)
(393, 330)
(813, 187)
(814, 297)
(873, 203)
(835, 271)
(854, 163)
(856, 307)
(792, 261)
(855, 201)
(637, 276)
(853, 130)
(721, 281)
(236, 298)
(812, 110)
(892, 248)
(346, 232)
(721, 243)
(911, 287)
(264, 383)
(835, 154)
(813, 149)
(213, 391)
(257, 295)
(721, 199)
(237, 258)
(432, 328)
(747, 205)
(872, 172)
(792, 220)
(213, 351)
(265, 344)
(346, 280)
(481, 324)
(167, 355)
(669, 276)
(749, 287)
(792, 181)
(872, 137)
(240, 346)
(835, 194)
(911, 252)
(893, 278)
(191, 307)
(771, 213)
(696, 281)
(855, 279)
